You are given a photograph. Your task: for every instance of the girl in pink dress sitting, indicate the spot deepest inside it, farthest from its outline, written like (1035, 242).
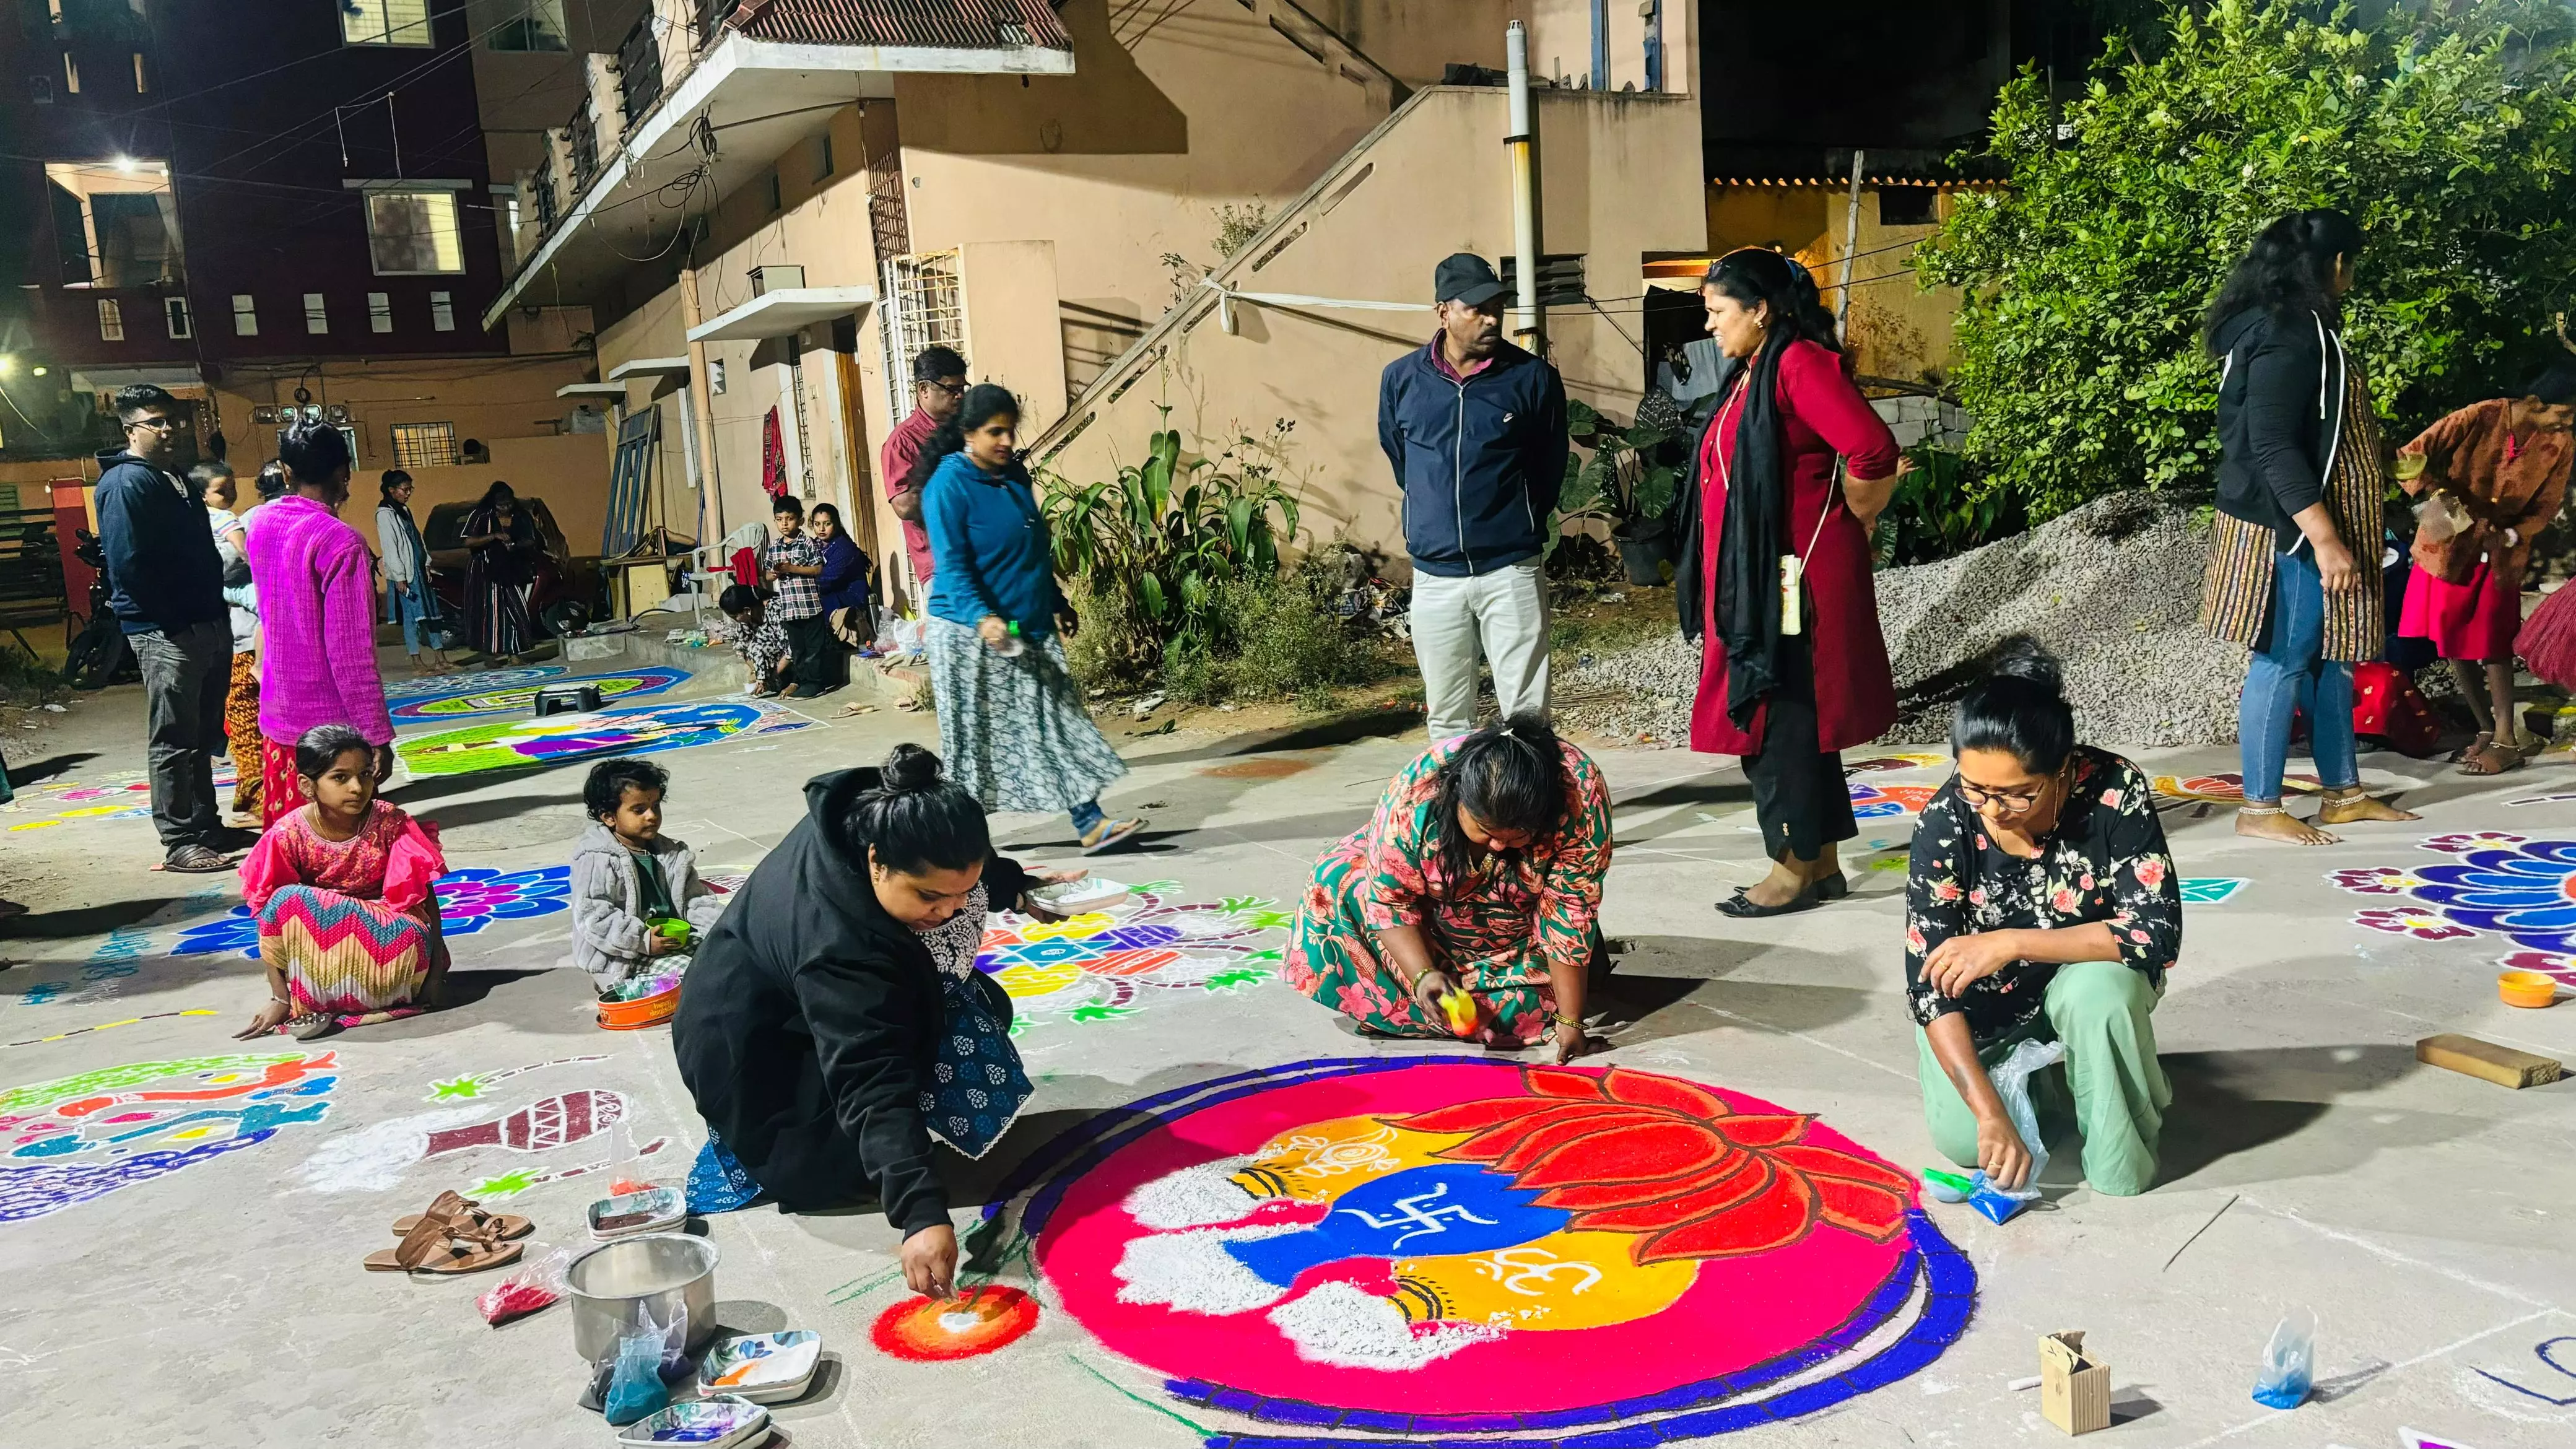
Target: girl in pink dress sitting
(348, 924)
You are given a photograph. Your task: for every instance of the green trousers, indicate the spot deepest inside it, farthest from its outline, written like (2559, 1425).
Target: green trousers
(2105, 1013)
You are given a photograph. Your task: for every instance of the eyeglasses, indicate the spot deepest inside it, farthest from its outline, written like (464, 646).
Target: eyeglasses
(2006, 802)
(158, 425)
(952, 389)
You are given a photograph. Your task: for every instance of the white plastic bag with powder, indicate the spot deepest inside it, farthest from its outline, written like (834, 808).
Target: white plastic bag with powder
(2011, 1077)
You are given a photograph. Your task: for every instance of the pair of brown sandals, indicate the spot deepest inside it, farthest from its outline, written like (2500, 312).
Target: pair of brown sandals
(454, 1236)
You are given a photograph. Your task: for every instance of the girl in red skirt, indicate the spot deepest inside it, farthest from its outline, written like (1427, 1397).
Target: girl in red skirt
(2496, 472)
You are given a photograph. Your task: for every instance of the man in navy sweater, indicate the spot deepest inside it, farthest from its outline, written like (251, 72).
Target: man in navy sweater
(166, 587)
(1475, 429)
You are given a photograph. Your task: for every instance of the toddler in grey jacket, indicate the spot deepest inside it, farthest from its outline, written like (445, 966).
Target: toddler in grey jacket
(628, 878)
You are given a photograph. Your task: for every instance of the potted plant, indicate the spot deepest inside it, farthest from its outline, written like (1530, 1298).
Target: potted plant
(1626, 484)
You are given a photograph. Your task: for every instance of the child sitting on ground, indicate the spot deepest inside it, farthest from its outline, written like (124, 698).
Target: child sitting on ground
(348, 923)
(638, 906)
(762, 644)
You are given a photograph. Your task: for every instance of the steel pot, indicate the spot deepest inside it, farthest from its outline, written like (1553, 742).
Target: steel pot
(657, 1273)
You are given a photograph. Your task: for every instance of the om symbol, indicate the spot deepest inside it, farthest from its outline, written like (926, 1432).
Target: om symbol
(1514, 1268)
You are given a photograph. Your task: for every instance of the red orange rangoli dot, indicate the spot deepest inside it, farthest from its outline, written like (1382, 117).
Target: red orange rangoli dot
(977, 1321)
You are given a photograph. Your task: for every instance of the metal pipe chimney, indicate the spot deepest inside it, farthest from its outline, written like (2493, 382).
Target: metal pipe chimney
(1529, 322)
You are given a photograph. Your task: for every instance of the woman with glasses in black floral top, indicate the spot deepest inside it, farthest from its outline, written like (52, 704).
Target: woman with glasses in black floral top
(2040, 904)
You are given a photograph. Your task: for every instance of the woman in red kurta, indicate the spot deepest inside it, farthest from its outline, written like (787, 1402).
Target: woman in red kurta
(1786, 686)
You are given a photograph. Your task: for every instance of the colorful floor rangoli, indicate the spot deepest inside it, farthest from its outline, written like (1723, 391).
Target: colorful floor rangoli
(556, 739)
(1872, 802)
(430, 686)
(1456, 1248)
(1105, 964)
(470, 701)
(124, 795)
(469, 901)
(73, 1139)
(2496, 884)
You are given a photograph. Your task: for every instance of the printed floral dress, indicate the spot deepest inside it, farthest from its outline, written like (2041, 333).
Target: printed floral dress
(1498, 932)
(2106, 861)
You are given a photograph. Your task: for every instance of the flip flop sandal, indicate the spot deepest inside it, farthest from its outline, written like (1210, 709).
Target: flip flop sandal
(435, 1246)
(466, 1211)
(1112, 833)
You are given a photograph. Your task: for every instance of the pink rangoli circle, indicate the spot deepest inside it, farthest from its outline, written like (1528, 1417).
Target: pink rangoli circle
(1457, 1246)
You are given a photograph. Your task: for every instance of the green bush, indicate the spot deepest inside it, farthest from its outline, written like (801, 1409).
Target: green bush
(1153, 547)
(1939, 511)
(2447, 131)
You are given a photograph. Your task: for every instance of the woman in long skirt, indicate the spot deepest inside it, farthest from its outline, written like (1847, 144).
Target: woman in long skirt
(348, 922)
(1011, 723)
(504, 542)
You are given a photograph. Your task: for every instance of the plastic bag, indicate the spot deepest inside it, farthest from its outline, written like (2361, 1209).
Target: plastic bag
(2437, 518)
(538, 1283)
(2012, 1083)
(648, 1358)
(2289, 1362)
(1976, 1190)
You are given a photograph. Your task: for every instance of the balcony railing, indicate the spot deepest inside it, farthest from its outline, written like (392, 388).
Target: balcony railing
(666, 55)
(584, 129)
(639, 72)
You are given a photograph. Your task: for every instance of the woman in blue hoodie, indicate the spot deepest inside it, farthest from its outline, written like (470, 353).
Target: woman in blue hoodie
(1011, 722)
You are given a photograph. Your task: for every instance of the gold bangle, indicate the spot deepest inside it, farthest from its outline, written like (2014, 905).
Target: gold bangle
(1561, 1019)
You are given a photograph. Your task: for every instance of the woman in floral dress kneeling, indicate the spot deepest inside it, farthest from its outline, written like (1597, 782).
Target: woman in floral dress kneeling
(1466, 907)
(2040, 904)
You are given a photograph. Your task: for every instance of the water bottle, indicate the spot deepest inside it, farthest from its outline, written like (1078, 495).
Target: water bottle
(1011, 646)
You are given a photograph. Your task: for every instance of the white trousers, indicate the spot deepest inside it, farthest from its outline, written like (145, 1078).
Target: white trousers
(1504, 612)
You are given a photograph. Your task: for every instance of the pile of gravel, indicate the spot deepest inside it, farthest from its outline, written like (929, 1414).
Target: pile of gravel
(2113, 589)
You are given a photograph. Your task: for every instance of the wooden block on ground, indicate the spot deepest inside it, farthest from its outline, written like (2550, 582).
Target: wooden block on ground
(2484, 1059)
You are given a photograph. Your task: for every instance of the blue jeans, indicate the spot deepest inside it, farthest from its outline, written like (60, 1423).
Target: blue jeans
(2289, 672)
(408, 611)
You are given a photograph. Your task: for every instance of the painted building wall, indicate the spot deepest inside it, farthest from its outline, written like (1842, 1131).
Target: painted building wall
(1899, 329)
(1620, 182)
(1136, 156)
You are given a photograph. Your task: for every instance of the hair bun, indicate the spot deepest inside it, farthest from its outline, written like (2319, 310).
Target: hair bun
(909, 770)
(2024, 658)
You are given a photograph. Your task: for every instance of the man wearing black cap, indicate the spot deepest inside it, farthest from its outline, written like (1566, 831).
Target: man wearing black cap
(1475, 429)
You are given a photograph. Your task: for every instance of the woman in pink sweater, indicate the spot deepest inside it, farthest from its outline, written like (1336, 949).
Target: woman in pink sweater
(317, 607)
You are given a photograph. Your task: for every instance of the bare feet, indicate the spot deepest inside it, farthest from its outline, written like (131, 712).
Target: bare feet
(2280, 825)
(2345, 809)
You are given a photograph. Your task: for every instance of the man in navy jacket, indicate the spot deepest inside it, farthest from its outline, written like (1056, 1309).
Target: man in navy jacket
(1475, 429)
(165, 585)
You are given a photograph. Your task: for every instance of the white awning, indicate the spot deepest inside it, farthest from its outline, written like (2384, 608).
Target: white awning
(649, 367)
(789, 309)
(591, 389)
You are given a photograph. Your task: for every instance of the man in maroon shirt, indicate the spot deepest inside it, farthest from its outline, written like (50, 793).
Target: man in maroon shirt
(938, 385)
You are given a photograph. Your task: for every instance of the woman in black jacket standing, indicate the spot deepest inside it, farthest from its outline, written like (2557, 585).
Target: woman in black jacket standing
(2294, 550)
(834, 1021)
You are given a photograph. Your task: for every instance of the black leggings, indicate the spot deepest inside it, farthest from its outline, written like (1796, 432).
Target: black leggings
(1798, 790)
(818, 661)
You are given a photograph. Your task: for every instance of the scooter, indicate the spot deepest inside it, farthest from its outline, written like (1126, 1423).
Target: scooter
(99, 655)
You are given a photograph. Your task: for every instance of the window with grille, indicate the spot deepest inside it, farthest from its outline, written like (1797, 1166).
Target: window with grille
(174, 310)
(380, 312)
(317, 315)
(414, 232)
(424, 445)
(245, 315)
(384, 22)
(442, 311)
(539, 27)
(111, 320)
(922, 308)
